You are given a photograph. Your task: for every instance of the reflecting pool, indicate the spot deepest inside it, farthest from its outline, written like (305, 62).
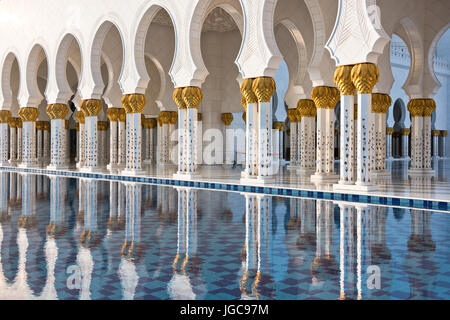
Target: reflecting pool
(64, 238)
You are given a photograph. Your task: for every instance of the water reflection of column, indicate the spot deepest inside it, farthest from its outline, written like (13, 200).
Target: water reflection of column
(4, 186)
(28, 216)
(131, 246)
(113, 205)
(258, 225)
(419, 264)
(186, 262)
(347, 251)
(58, 192)
(324, 265)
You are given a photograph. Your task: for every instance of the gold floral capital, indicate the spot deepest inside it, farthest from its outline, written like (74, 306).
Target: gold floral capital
(278, 125)
(113, 114)
(77, 126)
(416, 107)
(122, 115)
(405, 131)
(91, 107)
(429, 107)
(343, 80)
(5, 115)
(247, 92)
(57, 111)
(199, 117)
(292, 115)
(192, 96)
(264, 88)
(28, 114)
(133, 103)
(227, 118)
(164, 117)
(12, 122)
(325, 97)
(66, 124)
(444, 133)
(244, 117)
(102, 125)
(435, 133)
(244, 103)
(80, 117)
(380, 102)
(364, 77)
(389, 131)
(306, 108)
(173, 117)
(178, 98)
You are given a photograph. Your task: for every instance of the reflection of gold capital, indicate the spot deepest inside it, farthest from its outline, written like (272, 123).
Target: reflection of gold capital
(178, 98)
(264, 88)
(57, 111)
(192, 96)
(247, 91)
(80, 117)
(113, 114)
(292, 115)
(133, 103)
(365, 76)
(343, 80)
(306, 108)
(28, 114)
(227, 118)
(91, 107)
(325, 97)
(5, 115)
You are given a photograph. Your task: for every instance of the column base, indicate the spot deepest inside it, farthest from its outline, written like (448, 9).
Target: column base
(57, 167)
(28, 165)
(186, 176)
(324, 177)
(292, 168)
(13, 163)
(421, 172)
(355, 187)
(257, 180)
(133, 172)
(305, 171)
(380, 174)
(92, 169)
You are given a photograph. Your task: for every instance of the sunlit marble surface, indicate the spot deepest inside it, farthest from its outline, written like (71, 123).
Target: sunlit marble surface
(399, 184)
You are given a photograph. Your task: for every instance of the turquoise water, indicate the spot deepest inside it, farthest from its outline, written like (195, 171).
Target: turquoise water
(86, 239)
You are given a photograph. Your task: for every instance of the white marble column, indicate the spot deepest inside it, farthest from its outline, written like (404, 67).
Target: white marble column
(29, 116)
(191, 97)
(294, 119)
(227, 119)
(325, 99)
(275, 148)
(67, 142)
(163, 138)
(133, 105)
(307, 137)
(199, 137)
(389, 145)
(5, 115)
(102, 127)
(150, 125)
(442, 144)
(435, 136)
(19, 140)
(122, 143)
(46, 136)
(91, 108)
(427, 137)
(58, 113)
(13, 141)
(173, 148)
(380, 106)
(405, 132)
(113, 116)
(81, 143)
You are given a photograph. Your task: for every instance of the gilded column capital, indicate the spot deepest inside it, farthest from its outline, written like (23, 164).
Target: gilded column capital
(28, 114)
(18, 122)
(122, 115)
(355, 111)
(389, 131)
(192, 96)
(306, 108)
(244, 103)
(435, 133)
(133, 102)
(91, 107)
(77, 126)
(102, 125)
(227, 118)
(178, 98)
(247, 92)
(444, 133)
(39, 125)
(343, 80)
(173, 117)
(5, 115)
(429, 107)
(325, 97)
(244, 117)
(57, 111)
(279, 125)
(164, 117)
(113, 114)
(12, 122)
(80, 117)
(380, 102)
(292, 115)
(405, 131)
(66, 124)
(264, 88)
(364, 77)
(416, 107)
(46, 125)
(199, 117)
(151, 123)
